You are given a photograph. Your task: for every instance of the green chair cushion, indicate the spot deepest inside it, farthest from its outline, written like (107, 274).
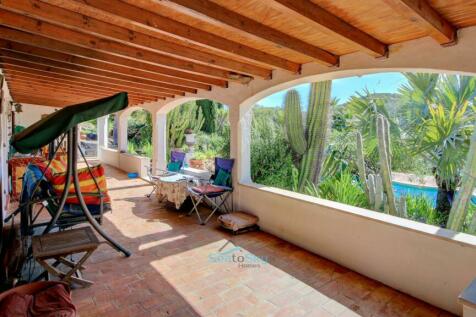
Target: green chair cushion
(173, 167)
(222, 178)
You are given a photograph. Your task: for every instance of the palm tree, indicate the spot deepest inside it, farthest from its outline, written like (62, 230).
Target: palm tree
(415, 97)
(443, 133)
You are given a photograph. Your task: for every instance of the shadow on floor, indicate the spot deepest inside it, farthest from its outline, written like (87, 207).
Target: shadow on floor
(173, 271)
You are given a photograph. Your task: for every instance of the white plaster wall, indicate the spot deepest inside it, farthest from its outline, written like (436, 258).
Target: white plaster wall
(31, 114)
(109, 156)
(134, 163)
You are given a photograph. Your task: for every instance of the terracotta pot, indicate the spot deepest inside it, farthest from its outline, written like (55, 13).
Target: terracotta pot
(198, 164)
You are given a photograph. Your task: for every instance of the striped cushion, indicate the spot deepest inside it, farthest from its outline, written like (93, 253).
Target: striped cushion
(57, 165)
(86, 183)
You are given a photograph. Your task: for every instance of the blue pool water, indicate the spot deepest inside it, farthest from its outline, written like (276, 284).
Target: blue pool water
(413, 190)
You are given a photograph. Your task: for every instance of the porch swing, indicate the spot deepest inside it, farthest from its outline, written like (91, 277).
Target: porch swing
(57, 127)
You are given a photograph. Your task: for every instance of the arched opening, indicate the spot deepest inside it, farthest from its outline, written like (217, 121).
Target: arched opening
(201, 129)
(415, 127)
(88, 138)
(112, 131)
(139, 133)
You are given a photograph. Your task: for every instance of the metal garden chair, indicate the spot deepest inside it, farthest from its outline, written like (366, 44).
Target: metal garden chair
(215, 192)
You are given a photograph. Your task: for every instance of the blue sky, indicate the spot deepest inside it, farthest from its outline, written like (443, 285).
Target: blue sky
(343, 88)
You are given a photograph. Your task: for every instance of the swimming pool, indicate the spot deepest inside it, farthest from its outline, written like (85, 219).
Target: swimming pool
(414, 190)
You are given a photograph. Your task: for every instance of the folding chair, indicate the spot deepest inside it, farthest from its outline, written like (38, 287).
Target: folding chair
(216, 192)
(177, 160)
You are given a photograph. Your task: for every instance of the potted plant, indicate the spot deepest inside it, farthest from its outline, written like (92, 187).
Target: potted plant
(197, 160)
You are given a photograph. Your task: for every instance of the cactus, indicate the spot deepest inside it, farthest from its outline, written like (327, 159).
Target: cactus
(459, 210)
(176, 125)
(385, 167)
(379, 187)
(186, 116)
(209, 113)
(309, 143)
(361, 164)
(293, 122)
(376, 195)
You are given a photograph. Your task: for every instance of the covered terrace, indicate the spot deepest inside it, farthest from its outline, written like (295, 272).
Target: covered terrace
(324, 258)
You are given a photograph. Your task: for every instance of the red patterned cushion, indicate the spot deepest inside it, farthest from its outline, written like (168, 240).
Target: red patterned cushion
(15, 305)
(53, 302)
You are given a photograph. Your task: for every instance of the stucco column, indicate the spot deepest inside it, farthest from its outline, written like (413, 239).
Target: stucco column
(243, 145)
(122, 131)
(102, 131)
(159, 140)
(101, 128)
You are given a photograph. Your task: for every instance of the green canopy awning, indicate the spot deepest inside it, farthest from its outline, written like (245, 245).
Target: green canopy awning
(49, 128)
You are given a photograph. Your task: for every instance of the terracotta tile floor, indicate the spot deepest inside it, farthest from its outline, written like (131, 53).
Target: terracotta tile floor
(170, 272)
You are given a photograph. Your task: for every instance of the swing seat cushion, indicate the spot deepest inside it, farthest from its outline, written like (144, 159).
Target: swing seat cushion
(237, 220)
(86, 184)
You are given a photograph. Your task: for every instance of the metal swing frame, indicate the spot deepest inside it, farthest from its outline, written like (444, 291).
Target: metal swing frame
(72, 178)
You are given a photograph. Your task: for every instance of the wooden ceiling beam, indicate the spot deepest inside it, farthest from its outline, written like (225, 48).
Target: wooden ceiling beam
(57, 79)
(165, 81)
(73, 79)
(71, 100)
(34, 86)
(38, 27)
(44, 82)
(245, 24)
(143, 18)
(41, 101)
(91, 26)
(109, 76)
(58, 93)
(335, 25)
(98, 80)
(52, 102)
(422, 13)
(58, 46)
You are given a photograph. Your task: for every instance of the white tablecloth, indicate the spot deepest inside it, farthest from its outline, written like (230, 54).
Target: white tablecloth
(173, 188)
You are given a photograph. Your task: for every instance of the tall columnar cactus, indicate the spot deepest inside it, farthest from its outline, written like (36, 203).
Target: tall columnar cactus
(176, 125)
(293, 122)
(379, 187)
(361, 164)
(309, 143)
(385, 164)
(209, 113)
(186, 116)
(459, 209)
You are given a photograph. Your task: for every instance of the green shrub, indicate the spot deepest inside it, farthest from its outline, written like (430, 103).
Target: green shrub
(469, 217)
(131, 148)
(271, 159)
(342, 188)
(420, 208)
